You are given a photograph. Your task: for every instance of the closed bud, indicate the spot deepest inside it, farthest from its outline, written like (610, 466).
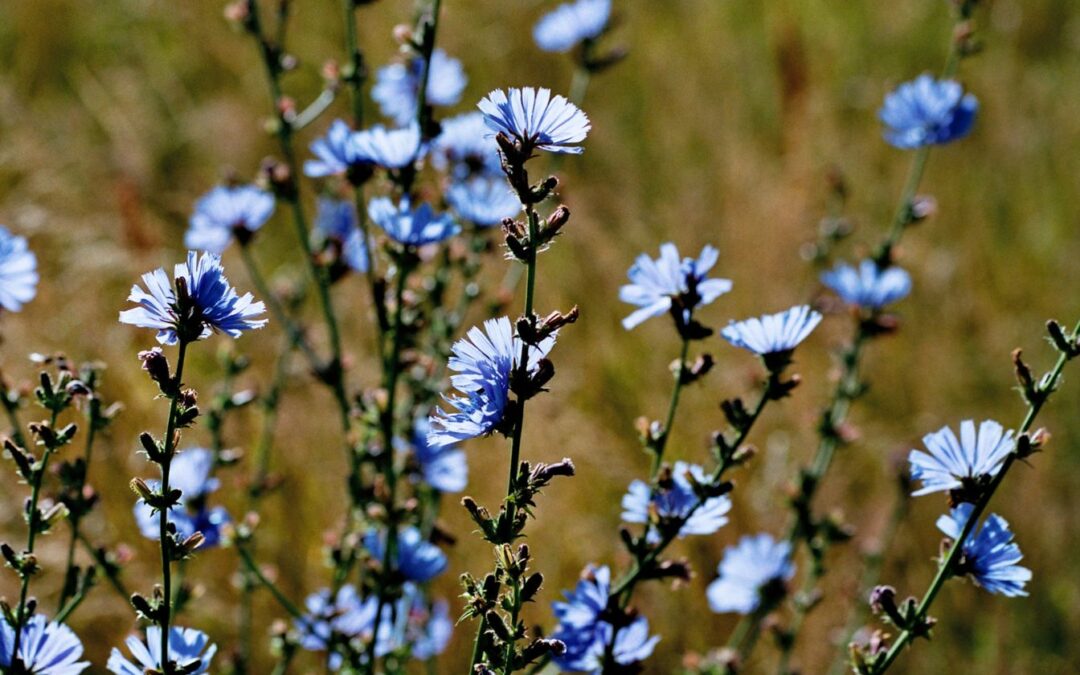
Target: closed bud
(156, 365)
(150, 446)
(498, 626)
(531, 587)
(555, 222)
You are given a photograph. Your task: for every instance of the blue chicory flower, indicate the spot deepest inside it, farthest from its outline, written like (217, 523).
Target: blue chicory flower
(18, 271)
(868, 286)
(990, 554)
(227, 212)
(187, 647)
(411, 227)
(584, 605)
(466, 148)
(389, 148)
(483, 362)
(44, 648)
(335, 219)
(191, 474)
(536, 120)
(335, 152)
(484, 201)
(748, 571)
(954, 464)
(397, 85)
(674, 501)
(773, 334)
(429, 629)
(332, 616)
(927, 111)
(443, 467)
(586, 649)
(569, 24)
(417, 559)
(656, 285)
(211, 304)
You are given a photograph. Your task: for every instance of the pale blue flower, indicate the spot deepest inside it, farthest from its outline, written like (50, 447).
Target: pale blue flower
(748, 571)
(773, 333)
(990, 554)
(954, 463)
(673, 502)
(443, 467)
(868, 286)
(417, 559)
(584, 605)
(336, 153)
(429, 631)
(657, 285)
(44, 648)
(409, 226)
(342, 614)
(465, 148)
(336, 219)
(927, 111)
(191, 474)
(225, 213)
(563, 28)
(187, 647)
(484, 201)
(212, 304)
(585, 649)
(397, 85)
(389, 148)
(536, 120)
(483, 362)
(18, 271)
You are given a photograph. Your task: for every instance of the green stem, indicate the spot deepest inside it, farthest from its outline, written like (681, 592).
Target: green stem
(69, 575)
(673, 405)
(281, 598)
(946, 568)
(355, 78)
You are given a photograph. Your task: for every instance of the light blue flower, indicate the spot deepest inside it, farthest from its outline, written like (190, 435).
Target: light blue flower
(748, 572)
(429, 631)
(927, 111)
(990, 554)
(656, 285)
(585, 649)
(18, 271)
(584, 605)
(465, 148)
(484, 201)
(335, 219)
(443, 467)
(536, 120)
(227, 212)
(869, 286)
(211, 303)
(389, 148)
(954, 464)
(409, 226)
(483, 362)
(44, 648)
(191, 474)
(773, 333)
(328, 615)
(335, 152)
(561, 29)
(397, 85)
(417, 559)
(187, 647)
(675, 501)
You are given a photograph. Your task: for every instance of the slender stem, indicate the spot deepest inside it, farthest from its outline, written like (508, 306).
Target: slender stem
(11, 409)
(76, 521)
(355, 76)
(673, 405)
(163, 521)
(947, 567)
(281, 598)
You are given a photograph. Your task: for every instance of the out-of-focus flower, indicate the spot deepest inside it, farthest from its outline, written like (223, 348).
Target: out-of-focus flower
(397, 85)
(208, 303)
(675, 501)
(586, 650)
(656, 284)
(187, 647)
(483, 200)
(927, 111)
(336, 219)
(990, 554)
(343, 614)
(564, 27)
(868, 286)
(773, 333)
(225, 213)
(18, 271)
(536, 120)
(428, 631)
(954, 463)
(409, 226)
(466, 148)
(584, 605)
(748, 572)
(443, 467)
(335, 152)
(417, 559)
(388, 148)
(191, 474)
(483, 362)
(44, 648)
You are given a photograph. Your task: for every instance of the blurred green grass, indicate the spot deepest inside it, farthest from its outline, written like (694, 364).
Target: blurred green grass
(720, 127)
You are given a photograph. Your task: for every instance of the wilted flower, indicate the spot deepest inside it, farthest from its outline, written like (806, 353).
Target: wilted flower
(187, 647)
(561, 29)
(773, 333)
(207, 304)
(674, 502)
(956, 463)
(868, 286)
(417, 559)
(18, 271)
(483, 361)
(409, 226)
(655, 285)
(227, 212)
(483, 200)
(44, 648)
(397, 85)
(535, 119)
(748, 572)
(465, 147)
(990, 554)
(927, 111)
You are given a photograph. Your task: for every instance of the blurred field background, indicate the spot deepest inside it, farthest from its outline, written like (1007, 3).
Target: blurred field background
(721, 128)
